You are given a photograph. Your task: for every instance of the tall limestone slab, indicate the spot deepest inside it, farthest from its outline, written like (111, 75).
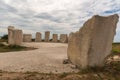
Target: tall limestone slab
(63, 38)
(55, 38)
(93, 42)
(18, 37)
(47, 36)
(27, 37)
(15, 36)
(10, 35)
(38, 37)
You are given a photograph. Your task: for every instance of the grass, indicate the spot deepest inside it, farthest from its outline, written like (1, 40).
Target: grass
(63, 75)
(116, 48)
(10, 48)
(3, 40)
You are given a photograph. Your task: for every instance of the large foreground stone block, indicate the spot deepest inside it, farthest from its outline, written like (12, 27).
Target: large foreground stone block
(93, 42)
(55, 38)
(63, 38)
(38, 37)
(15, 36)
(47, 36)
(27, 37)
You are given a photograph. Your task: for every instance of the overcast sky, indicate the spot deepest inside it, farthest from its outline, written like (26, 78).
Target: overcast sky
(57, 16)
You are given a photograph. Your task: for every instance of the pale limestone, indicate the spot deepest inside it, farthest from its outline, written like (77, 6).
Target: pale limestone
(93, 42)
(63, 38)
(18, 37)
(38, 37)
(10, 35)
(55, 38)
(27, 37)
(47, 36)
(15, 36)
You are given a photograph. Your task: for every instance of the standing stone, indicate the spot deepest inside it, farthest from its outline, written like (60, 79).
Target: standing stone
(63, 38)
(18, 37)
(15, 36)
(47, 36)
(10, 35)
(38, 37)
(27, 37)
(55, 38)
(93, 42)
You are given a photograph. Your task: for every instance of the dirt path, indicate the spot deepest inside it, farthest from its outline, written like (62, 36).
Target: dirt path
(47, 58)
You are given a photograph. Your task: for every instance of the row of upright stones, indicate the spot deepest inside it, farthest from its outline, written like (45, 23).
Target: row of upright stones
(16, 37)
(38, 38)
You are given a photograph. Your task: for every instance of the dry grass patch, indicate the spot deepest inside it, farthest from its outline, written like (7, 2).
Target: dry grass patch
(10, 48)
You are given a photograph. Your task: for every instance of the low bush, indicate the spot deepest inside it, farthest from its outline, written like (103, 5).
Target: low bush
(4, 37)
(1, 45)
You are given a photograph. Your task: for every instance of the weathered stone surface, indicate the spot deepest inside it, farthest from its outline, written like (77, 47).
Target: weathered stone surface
(38, 37)
(10, 35)
(55, 38)
(18, 36)
(15, 36)
(27, 37)
(47, 36)
(93, 42)
(63, 38)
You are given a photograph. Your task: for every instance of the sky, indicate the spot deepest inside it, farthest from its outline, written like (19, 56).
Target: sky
(57, 16)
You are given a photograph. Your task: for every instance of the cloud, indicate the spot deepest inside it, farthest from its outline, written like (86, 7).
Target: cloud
(63, 16)
(6, 8)
(47, 16)
(112, 11)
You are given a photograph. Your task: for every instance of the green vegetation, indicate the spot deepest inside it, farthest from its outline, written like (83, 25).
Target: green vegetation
(33, 40)
(43, 40)
(4, 48)
(110, 68)
(50, 39)
(4, 38)
(91, 70)
(64, 75)
(116, 48)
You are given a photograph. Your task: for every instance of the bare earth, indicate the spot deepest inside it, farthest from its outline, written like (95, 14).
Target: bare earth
(47, 58)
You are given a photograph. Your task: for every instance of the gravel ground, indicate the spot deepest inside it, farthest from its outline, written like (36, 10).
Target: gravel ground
(47, 58)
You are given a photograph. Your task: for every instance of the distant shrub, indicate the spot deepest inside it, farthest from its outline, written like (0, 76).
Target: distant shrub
(1, 45)
(43, 40)
(92, 69)
(63, 75)
(4, 37)
(58, 41)
(33, 40)
(15, 46)
(50, 39)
